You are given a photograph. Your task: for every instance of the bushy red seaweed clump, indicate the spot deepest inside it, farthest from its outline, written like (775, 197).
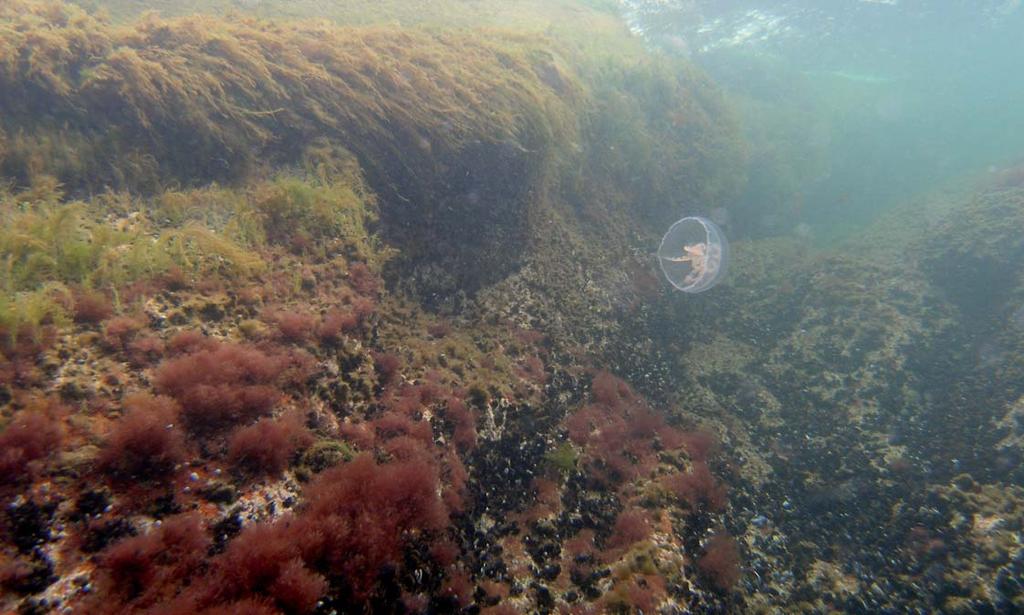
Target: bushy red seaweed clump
(119, 331)
(363, 280)
(358, 521)
(699, 444)
(266, 446)
(31, 436)
(145, 349)
(146, 443)
(144, 571)
(360, 515)
(90, 306)
(294, 326)
(228, 384)
(698, 488)
(619, 432)
(720, 563)
(334, 324)
(463, 423)
(532, 370)
(190, 340)
(387, 366)
(631, 526)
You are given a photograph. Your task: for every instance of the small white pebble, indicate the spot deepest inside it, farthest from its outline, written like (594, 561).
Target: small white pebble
(193, 476)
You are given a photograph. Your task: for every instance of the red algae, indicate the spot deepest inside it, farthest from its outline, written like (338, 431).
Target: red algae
(363, 308)
(387, 366)
(90, 306)
(404, 448)
(406, 401)
(334, 324)
(30, 437)
(294, 326)
(445, 553)
(720, 564)
(619, 441)
(119, 331)
(631, 526)
(363, 280)
(358, 520)
(458, 589)
(460, 416)
(361, 435)
(454, 476)
(145, 443)
(698, 488)
(249, 606)
(265, 560)
(393, 424)
(532, 369)
(360, 515)
(174, 279)
(147, 570)
(611, 391)
(145, 349)
(700, 444)
(267, 446)
(223, 386)
(190, 340)
(581, 544)
(297, 589)
(227, 362)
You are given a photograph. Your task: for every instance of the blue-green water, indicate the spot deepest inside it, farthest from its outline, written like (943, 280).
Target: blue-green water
(853, 107)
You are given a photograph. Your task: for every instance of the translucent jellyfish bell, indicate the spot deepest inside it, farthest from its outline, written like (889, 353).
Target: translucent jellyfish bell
(693, 254)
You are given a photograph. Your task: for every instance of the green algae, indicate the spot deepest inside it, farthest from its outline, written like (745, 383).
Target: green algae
(563, 459)
(50, 245)
(669, 126)
(210, 97)
(70, 243)
(326, 215)
(24, 313)
(326, 453)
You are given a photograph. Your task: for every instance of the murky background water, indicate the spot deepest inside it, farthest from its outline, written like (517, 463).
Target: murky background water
(856, 107)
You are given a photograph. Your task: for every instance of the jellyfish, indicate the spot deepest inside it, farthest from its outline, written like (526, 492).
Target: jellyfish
(693, 254)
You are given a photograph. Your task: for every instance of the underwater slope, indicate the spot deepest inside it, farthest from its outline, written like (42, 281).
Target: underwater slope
(870, 399)
(221, 387)
(299, 317)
